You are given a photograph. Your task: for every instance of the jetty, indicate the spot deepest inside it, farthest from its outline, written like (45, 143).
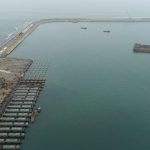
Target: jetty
(141, 48)
(8, 46)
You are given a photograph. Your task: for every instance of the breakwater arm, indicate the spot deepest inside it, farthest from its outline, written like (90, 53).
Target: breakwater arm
(8, 46)
(107, 19)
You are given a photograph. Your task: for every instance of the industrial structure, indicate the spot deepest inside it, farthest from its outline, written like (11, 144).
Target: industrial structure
(19, 109)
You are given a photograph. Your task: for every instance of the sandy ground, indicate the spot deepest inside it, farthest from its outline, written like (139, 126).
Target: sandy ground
(11, 70)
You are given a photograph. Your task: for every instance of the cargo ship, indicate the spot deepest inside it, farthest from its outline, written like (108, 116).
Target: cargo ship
(141, 48)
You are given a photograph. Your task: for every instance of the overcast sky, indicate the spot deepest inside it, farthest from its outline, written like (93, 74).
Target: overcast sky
(77, 7)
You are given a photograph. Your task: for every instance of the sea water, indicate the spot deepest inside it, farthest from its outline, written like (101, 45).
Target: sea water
(97, 92)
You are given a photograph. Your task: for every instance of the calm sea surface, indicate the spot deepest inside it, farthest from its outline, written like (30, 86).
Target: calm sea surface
(97, 94)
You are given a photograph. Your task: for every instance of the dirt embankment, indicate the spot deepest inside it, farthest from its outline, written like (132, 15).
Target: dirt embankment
(11, 70)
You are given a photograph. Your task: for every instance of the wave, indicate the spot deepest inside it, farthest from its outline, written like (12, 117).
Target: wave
(10, 35)
(7, 36)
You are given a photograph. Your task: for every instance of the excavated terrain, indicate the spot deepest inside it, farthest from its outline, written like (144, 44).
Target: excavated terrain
(11, 70)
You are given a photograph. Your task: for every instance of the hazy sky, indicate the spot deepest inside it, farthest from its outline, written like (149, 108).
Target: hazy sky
(78, 7)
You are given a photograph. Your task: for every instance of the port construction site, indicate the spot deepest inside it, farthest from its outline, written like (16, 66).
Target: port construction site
(18, 109)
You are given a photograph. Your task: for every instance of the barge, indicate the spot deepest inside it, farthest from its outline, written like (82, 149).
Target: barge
(141, 48)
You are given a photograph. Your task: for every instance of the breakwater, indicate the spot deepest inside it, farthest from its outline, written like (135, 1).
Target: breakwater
(13, 42)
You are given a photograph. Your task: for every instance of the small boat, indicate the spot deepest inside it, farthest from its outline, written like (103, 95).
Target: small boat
(39, 109)
(107, 31)
(83, 28)
(33, 115)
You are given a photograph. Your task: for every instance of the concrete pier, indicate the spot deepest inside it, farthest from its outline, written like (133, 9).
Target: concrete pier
(14, 124)
(14, 119)
(12, 135)
(18, 110)
(22, 103)
(17, 114)
(12, 129)
(10, 147)
(10, 141)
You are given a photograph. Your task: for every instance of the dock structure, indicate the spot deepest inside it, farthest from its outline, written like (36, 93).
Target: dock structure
(21, 105)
